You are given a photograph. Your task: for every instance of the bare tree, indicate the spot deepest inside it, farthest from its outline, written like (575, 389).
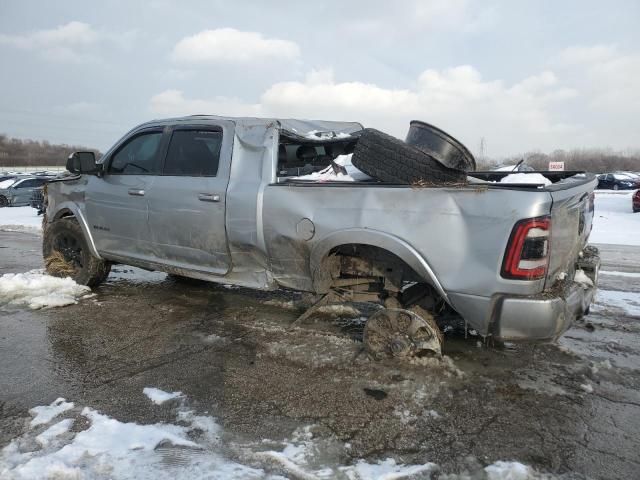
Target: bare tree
(15, 152)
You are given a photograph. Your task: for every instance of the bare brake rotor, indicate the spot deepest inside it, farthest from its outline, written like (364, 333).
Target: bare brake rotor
(394, 332)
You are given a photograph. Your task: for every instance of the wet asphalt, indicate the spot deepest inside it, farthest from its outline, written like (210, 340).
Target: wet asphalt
(234, 355)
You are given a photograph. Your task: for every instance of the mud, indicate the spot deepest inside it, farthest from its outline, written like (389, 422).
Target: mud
(568, 407)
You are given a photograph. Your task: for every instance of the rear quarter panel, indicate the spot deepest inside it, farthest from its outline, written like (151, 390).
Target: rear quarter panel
(462, 233)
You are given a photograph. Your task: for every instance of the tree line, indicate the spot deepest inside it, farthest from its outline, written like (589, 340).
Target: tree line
(589, 160)
(15, 152)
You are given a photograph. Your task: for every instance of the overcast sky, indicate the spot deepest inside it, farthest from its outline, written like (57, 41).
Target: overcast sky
(523, 75)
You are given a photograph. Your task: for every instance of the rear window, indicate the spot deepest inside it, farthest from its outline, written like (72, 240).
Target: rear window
(296, 159)
(194, 153)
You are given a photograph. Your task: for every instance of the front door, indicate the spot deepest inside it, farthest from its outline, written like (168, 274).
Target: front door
(187, 202)
(117, 209)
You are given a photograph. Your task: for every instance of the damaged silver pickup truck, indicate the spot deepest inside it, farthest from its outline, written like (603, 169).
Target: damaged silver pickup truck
(245, 201)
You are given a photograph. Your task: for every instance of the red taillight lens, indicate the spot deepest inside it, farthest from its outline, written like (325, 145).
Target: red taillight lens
(527, 254)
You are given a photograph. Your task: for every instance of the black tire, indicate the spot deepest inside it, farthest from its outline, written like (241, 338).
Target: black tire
(391, 160)
(66, 237)
(4, 201)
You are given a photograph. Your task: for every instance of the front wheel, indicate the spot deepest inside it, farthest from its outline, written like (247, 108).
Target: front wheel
(4, 201)
(66, 254)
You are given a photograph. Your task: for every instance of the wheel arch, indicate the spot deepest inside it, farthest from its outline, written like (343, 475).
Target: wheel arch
(374, 238)
(72, 210)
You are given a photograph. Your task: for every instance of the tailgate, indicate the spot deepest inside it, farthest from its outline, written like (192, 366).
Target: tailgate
(571, 221)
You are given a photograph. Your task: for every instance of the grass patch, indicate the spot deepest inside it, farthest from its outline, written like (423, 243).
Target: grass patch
(58, 266)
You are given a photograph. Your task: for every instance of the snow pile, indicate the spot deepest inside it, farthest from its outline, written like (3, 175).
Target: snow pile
(614, 221)
(527, 178)
(329, 174)
(386, 469)
(46, 437)
(158, 396)
(46, 413)
(509, 471)
(193, 449)
(35, 289)
(582, 278)
(20, 219)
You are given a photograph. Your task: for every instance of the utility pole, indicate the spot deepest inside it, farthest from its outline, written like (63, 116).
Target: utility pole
(482, 148)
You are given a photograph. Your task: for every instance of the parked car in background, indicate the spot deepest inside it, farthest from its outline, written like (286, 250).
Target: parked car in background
(16, 193)
(618, 181)
(635, 202)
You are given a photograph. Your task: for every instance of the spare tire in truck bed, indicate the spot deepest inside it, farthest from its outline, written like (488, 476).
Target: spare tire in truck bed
(391, 160)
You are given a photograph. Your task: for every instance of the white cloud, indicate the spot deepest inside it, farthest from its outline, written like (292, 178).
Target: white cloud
(69, 35)
(228, 45)
(174, 103)
(578, 55)
(512, 117)
(71, 42)
(608, 78)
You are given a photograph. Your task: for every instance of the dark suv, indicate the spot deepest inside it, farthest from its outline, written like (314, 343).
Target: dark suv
(618, 181)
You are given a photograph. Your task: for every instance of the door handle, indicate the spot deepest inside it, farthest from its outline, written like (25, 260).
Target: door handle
(136, 192)
(209, 197)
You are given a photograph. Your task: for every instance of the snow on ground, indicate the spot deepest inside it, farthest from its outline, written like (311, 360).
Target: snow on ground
(46, 413)
(158, 396)
(614, 221)
(620, 274)
(20, 219)
(627, 302)
(57, 429)
(192, 449)
(35, 290)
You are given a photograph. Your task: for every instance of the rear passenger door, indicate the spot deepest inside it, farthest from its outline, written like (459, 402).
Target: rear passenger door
(187, 202)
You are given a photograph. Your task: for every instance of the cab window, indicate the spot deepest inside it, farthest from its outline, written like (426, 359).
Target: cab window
(195, 153)
(139, 156)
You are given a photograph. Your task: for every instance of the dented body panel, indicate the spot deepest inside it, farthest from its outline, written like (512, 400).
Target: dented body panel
(266, 233)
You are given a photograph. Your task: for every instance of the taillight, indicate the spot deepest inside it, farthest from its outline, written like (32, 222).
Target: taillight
(527, 254)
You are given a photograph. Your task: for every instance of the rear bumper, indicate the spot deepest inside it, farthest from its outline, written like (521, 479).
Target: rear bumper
(533, 317)
(540, 318)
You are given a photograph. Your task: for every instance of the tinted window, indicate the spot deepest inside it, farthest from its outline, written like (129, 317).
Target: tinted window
(193, 152)
(139, 156)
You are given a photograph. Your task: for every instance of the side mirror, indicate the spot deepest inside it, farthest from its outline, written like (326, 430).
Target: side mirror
(83, 163)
